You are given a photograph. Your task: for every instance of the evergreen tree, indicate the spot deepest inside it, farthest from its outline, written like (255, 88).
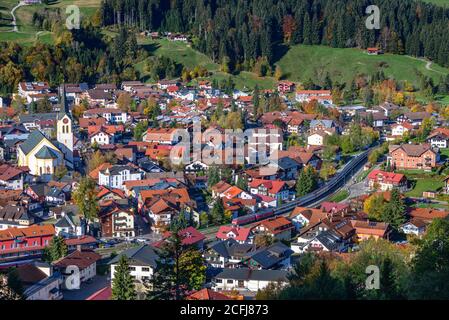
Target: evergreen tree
(394, 211)
(123, 287)
(179, 270)
(217, 212)
(306, 182)
(57, 249)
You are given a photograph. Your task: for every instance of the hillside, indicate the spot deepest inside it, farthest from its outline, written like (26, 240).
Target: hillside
(302, 62)
(27, 33)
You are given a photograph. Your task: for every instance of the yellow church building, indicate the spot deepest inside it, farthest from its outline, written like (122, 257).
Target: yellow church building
(43, 156)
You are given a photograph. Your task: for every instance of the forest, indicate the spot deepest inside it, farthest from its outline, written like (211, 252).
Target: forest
(240, 32)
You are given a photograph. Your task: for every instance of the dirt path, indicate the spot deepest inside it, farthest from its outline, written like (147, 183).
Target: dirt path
(14, 21)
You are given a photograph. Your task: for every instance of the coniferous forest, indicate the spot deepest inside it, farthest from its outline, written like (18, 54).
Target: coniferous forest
(242, 31)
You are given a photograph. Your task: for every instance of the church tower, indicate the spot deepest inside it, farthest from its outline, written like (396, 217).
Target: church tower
(65, 136)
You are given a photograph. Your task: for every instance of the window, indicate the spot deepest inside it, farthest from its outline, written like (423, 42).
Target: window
(219, 281)
(132, 268)
(230, 281)
(145, 269)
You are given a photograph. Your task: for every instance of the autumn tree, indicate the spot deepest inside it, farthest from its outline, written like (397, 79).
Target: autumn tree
(85, 197)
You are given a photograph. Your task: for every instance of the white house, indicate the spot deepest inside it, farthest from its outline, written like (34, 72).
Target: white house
(70, 225)
(85, 261)
(32, 91)
(244, 279)
(115, 176)
(101, 137)
(141, 261)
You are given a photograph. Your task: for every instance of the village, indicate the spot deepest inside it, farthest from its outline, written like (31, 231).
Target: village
(88, 176)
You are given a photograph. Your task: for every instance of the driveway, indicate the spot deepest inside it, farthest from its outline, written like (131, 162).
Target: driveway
(87, 289)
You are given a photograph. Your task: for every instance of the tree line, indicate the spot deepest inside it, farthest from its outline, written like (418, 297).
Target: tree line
(241, 32)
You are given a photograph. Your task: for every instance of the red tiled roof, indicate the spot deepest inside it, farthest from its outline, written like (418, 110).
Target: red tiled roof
(102, 294)
(207, 294)
(389, 177)
(241, 234)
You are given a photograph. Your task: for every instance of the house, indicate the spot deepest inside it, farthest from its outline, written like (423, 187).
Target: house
(414, 118)
(439, 138)
(239, 234)
(375, 119)
(412, 156)
(219, 189)
(207, 294)
(323, 97)
(275, 256)
(247, 280)
(114, 176)
(373, 51)
(285, 86)
(70, 225)
(414, 226)
(370, 229)
(81, 242)
(14, 215)
(12, 177)
(112, 115)
(228, 253)
(161, 136)
(273, 188)
(399, 129)
(317, 138)
(303, 216)
(101, 137)
(325, 241)
(426, 214)
(162, 205)
(84, 260)
(279, 228)
(142, 261)
(23, 242)
(32, 91)
(117, 220)
(39, 282)
(49, 288)
(384, 181)
(190, 237)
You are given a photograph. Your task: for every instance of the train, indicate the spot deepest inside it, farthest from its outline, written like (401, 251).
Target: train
(302, 201)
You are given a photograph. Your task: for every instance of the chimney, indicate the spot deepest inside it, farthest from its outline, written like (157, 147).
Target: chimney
(79, 248)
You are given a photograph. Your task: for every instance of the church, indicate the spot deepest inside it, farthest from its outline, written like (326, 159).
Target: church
(43, 155)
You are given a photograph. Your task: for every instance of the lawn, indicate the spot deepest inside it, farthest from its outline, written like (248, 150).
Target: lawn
(339, 196)
(302, 62)
(425, 184)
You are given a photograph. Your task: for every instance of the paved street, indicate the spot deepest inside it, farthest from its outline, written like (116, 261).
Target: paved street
(87, 289)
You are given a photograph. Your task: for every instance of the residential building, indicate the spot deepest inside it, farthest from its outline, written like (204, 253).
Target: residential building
(247, 280)
(412, 156)
(384, 181)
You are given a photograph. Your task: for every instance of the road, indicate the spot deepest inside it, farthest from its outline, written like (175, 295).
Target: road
(87, 289)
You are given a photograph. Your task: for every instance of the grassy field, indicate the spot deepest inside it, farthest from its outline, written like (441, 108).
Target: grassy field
(27, 32)
(339, 196)
(302, 62)
(444, 3)
(425, 184)
(188, 57)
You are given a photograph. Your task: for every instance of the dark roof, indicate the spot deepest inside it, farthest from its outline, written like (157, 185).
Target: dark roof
(46, 153)
(248, 274)
(24, 118)
(230, 247)
(143, 255)
(272, 255)
(33, 139)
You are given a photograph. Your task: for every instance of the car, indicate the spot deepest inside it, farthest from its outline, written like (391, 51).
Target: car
(141, 240)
